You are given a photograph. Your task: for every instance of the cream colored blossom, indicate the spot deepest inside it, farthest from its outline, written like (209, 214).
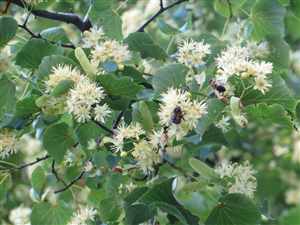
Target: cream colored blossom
(20, 215)
(111, 50)
(92, 37)
(242, 177)
(292, 196)
(262, 84)
(83, 215)
(5, 60)
(192, 53)
(190, 111)
(8, 143)
(131, 20)
(60, 73)
(82, 98)
(123, 132)
(101, 112)
(145, 155)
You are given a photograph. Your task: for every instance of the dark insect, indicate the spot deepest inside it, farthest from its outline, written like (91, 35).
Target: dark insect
(177, 115)
(218, 87)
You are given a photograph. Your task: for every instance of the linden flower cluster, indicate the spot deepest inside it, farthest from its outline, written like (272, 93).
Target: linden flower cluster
(104, 49)
(240, 178)
(237, 60)
(92, 37)
(84, 215)
(81, 100)
(179, 113)
(192, 53)
(123, 132)
(111, 50)
(8, 143)
(20, 215)
(60, 73)
(145, 155)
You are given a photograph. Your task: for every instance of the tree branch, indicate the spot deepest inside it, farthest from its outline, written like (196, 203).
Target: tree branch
(71, 183)
(20, 167)
(160, 11)
(103, 127)
(70, 18)
(39, 36)
(53, 170)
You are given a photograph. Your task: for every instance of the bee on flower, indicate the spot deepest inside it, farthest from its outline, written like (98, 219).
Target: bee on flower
(192, 53)
(179, 112)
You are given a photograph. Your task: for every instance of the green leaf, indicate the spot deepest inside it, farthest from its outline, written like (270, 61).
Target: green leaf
(47, 214)
(49, 62)
(224, 7)
(8, 29)
(7, 98)
(119, 86)
(166, 28)
(199, 199)
(215, 108)
(34, 51)
(143, 43)
(268, 19)
(87, 132)
(172, 75)
(143, 115)
(56, 34)
(26, 107)
(279, 53)
(109, 209)
(137, 214)
(295, 7)
(103, 14)
(278, 94)
(267, 115)
(291, 217)
(57, 139)
(234, 209)
(205, 171)
(172, 210)
(62, 88)
(38, 179)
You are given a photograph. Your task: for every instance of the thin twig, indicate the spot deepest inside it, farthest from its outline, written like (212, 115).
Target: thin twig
(81, 24)
(160, 11)
(71, 183)
(104, 127)
(39, 36)
(230, 8)
(20, 167)
(118, 120)
(54, 172)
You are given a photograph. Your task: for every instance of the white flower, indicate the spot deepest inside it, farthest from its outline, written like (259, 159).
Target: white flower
(60, 73)
(259, 50)
(83, 215)
(232, 61)
(292, 197)
(131, 20)
(244, 181)
(81, 99)
(262, 84)
(20, 215)
(92, 37)
(30, 145)
(192, 53)
(179, 113)
(200, 79)
(111, 50)
(223, 123)
(134, 130)
(8, 143)
(101, 112)
(145, 155)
